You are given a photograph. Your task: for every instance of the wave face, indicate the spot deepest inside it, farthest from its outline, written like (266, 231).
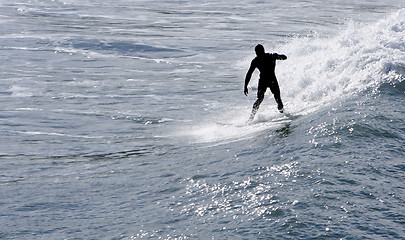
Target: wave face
(125, 119)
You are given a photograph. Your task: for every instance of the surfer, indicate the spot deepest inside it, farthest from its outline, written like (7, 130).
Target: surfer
(266, 63)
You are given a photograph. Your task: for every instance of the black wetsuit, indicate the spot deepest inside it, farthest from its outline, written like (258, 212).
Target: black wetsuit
(266, 63)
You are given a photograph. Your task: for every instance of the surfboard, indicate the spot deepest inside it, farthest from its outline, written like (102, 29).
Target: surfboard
(259, 119)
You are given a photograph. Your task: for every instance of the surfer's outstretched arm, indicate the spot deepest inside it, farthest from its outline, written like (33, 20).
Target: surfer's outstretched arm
(280, 56)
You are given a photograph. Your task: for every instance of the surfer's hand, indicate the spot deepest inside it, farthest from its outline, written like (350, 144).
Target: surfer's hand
(246, 91)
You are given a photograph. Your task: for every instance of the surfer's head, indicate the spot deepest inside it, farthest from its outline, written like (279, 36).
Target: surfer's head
(259, 49)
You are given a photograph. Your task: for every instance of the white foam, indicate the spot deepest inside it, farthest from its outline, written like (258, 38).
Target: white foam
(57, 134)
(321, 70)
(233, 126)
(18, 91)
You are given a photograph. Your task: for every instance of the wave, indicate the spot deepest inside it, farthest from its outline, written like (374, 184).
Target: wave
(116, 48)
(360, 57)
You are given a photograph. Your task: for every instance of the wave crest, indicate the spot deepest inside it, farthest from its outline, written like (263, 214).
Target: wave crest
(360, 57)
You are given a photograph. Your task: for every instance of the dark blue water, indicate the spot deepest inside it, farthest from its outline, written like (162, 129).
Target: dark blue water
(127, 120)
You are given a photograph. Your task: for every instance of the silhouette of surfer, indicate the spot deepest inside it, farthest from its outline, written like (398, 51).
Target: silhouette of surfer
(266, 63)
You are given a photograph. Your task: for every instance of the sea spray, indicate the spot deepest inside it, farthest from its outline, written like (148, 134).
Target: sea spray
(321, 70)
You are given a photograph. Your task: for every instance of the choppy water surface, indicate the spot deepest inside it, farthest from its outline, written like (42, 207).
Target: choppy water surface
(127, 120)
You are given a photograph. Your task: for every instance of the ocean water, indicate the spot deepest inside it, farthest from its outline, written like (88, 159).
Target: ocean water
(126, 119)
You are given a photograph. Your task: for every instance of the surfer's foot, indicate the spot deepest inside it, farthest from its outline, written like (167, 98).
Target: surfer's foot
(253, 114)
(280, 108)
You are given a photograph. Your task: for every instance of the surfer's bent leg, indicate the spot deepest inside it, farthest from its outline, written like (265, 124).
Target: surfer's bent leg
(275, 89)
